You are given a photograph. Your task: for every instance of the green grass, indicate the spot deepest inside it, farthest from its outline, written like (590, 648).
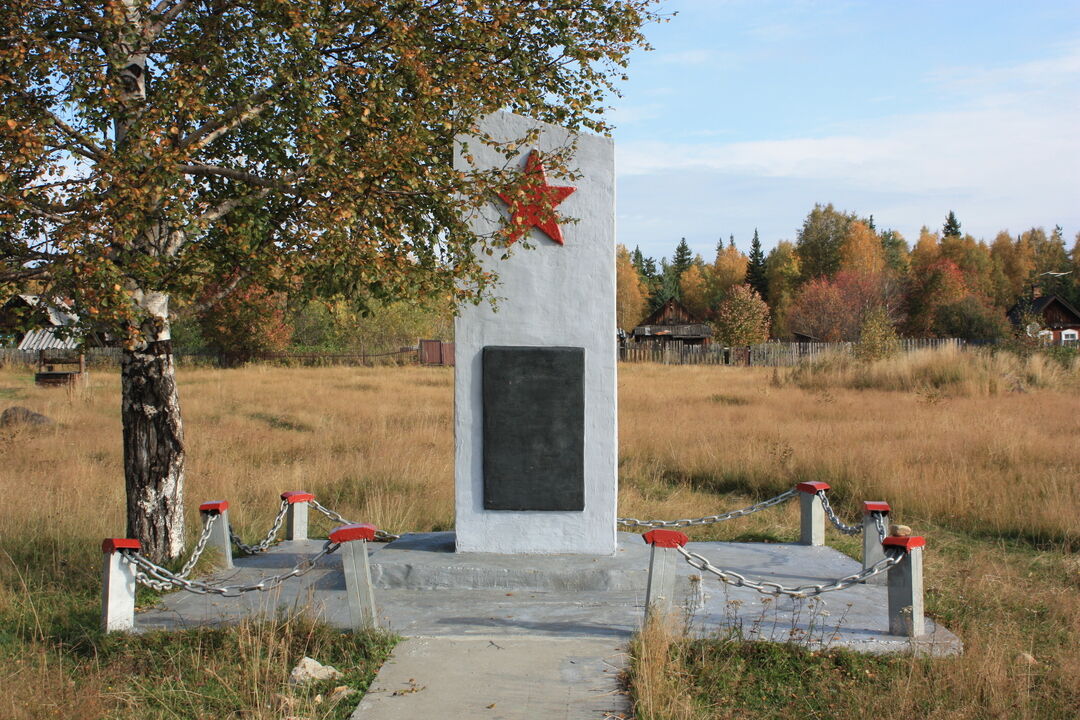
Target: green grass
(734, 679)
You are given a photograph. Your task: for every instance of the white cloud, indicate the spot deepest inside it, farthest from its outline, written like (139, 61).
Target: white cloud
(1007, 147)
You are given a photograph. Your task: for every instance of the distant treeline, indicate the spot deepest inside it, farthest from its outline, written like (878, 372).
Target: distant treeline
(842, 268)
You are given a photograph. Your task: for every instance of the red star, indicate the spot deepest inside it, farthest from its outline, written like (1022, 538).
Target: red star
(528, 209)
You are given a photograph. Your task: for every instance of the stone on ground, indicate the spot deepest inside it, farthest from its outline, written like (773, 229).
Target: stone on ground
(310, 670)
(18, 415)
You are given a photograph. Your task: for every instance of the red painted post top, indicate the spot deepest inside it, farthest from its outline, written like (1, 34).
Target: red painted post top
(111, 545)
(295, 496)
(870, 506)
(214, 506)
(360, 531)
(666, 538)
(812, 487)
(907, 543)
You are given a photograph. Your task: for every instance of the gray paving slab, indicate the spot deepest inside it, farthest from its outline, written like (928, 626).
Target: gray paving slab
(499, 678)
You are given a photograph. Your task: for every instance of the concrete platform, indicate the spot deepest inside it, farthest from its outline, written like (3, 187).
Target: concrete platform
(424, 589)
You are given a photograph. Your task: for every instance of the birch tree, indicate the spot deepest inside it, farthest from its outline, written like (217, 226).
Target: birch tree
(152, 148)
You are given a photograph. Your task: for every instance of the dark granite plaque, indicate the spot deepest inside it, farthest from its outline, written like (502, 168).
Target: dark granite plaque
(534, 428)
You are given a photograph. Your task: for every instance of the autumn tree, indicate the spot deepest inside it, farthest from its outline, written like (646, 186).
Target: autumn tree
(820, 239)
(834, 308)
(245, 323)
(897, 253)
(782, 273)
(926, 251)
(939, 284)
(728, 271)
(151, 148)
(877, 337)
(694, 289)
(819, 311)
(629, 291)
(1051, 273)
(861, 251)
(1013, 264)
(742, 318)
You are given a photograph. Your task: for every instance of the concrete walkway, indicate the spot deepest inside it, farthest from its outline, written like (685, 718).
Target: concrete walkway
(502, 678)
(545, 636)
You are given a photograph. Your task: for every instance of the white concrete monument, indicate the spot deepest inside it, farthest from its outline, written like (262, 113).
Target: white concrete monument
(535, 388)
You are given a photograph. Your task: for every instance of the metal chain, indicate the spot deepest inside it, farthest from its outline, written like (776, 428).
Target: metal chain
(879, 520)
(776, 589)
(161, 579)
(267, 541)
(380, 535)
(709, 519)
(199, 546)
(837, 522)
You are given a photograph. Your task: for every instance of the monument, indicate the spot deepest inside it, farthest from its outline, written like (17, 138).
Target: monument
(536, 448)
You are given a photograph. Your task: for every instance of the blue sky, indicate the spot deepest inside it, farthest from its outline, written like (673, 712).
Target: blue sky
(750, 111)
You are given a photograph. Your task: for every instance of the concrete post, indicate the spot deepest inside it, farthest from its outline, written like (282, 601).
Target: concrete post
(296, 517)
(660, 591)
(811, 513)
(906, 610)
(219, 537)
(872, 551)
(354, 559)
(117, 586)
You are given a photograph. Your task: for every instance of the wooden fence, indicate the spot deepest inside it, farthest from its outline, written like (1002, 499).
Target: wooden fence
(110, 357)
(774, 354)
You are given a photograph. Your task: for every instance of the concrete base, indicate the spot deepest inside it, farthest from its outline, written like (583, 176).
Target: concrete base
(423, 589)
(428, 561)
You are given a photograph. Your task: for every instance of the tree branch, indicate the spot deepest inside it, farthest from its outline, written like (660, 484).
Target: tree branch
(240, 113)
(234, 174)
(207, 303)
(151, 32)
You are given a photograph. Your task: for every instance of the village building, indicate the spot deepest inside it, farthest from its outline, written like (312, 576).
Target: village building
(672, 322)
(1060, 320)
(29, 322)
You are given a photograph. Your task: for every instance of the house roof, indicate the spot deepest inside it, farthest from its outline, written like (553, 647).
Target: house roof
(673, 319)
(672, 312)
(49, 315)
(46, 339)
(1040, 305)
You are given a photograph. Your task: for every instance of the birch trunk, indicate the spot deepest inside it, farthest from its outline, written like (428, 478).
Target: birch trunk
(153, 437)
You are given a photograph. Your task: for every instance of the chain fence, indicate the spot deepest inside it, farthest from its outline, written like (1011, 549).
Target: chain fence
(709, 519)
(836, 521)
(380, 535)
(776, 589)
(200, 545)
(268, 540)
(162, 579)
(879, 521)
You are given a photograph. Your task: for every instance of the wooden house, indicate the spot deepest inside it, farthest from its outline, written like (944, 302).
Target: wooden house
(1060, 320)
(672, 322)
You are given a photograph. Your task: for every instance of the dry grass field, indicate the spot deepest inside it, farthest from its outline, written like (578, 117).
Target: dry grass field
(989, 472)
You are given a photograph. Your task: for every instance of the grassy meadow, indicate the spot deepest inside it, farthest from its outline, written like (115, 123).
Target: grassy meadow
(983, 457)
